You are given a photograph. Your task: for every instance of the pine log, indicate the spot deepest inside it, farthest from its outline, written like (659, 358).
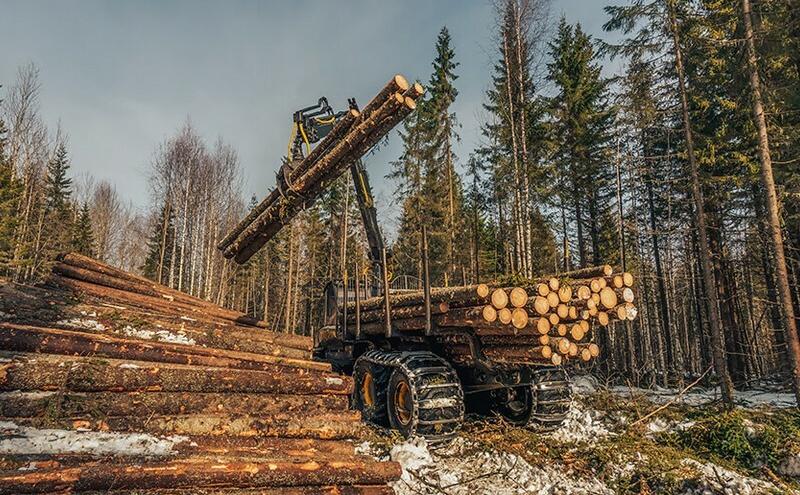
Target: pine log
(25, 338)
(553, 299)
(608, 298)
(504, 316)
(592, 271)
(518, 297)
(297, 490)
(400, 312)
(43, 372)
(309, 424)
(362, 136)
(499, 298)
(456, 297)
(540, 305)
(519, 318)
(196, 473)
(489, 313)
(145, 404)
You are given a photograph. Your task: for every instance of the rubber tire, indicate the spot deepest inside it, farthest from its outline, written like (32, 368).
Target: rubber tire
(407, 430)
(377, 412)
(516, 418)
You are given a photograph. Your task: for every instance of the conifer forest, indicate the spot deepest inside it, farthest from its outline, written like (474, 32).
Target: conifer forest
(667, 145)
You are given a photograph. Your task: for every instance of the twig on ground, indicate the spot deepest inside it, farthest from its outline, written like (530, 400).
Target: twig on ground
(671, 401)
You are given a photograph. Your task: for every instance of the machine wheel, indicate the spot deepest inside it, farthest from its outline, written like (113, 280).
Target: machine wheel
(369, 394)
(423, 393)
(552, 397)
(514, 404)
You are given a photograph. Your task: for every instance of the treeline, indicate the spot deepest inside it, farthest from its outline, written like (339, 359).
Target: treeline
(44, 211)
(666, 169)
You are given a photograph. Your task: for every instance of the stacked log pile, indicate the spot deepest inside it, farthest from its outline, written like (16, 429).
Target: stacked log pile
(111, 383)
(299, 185)
(549, 321)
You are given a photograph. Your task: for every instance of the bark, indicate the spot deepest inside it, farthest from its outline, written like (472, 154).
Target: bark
(42, 372)
(26, 338)
(200, 473)
(146, 404)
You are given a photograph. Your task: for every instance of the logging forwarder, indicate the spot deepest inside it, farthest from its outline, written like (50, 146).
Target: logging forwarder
(417, 365)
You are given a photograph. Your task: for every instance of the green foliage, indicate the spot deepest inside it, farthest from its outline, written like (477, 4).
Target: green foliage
(160, 240)
(10, 191)
(746, 440)
(82, 236)
(57, 210)
(430, 189)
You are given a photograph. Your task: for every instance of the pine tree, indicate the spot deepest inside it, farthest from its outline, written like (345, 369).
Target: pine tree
(82, 236)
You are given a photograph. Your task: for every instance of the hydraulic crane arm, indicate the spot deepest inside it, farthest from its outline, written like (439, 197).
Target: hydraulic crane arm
(366, 206)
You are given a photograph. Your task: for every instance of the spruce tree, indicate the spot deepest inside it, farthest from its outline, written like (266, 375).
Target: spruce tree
(10, 191)
(158, 247)
(58, 214)
(82, 236)
(582, 118)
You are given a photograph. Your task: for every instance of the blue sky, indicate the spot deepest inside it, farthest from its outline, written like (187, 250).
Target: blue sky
(123, 76)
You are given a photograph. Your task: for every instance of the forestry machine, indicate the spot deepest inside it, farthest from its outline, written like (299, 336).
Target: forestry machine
(404, 380)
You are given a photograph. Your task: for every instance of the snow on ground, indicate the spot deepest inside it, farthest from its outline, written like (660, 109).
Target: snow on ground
(697, 397)
(464, 469)
(714, 479)
(581, 426)
(24, 440)
(159, 335)
(82, 324)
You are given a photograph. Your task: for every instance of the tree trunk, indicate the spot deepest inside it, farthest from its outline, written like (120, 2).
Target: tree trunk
(768, 183)
(717, 338)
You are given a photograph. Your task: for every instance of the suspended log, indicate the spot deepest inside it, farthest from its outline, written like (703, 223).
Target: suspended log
(40, 372)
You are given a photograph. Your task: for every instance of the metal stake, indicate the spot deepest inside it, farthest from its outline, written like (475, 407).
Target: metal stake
(387, 306)
(426, 280)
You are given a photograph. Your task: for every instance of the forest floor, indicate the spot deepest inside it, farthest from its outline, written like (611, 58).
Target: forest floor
(616, 441)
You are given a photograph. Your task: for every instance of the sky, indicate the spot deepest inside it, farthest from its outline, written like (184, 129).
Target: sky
(121, 77)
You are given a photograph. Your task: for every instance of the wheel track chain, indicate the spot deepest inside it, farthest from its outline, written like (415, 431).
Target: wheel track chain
(436, 389)
(552, 395)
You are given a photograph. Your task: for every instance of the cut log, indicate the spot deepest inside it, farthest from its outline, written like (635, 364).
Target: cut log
(541, 305)
(499, 298)
(145, 404)
(489, 313)
(565, 293)
(504, 316)
(608, 298)
(195, 473)
(482, 290)
(519, 318)
(592, 271)
(25, 338)
(553, 300)
(40, 372)
(518, 297)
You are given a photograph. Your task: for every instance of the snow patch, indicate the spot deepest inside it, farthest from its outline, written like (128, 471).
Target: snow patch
(332, 380)
(580, 426)
(91, 315)
(718, 480)
(463, 468)
(698, 397)
(128, 366)
(159, 335)
(5, 316)
(22, 440)
(83, 324)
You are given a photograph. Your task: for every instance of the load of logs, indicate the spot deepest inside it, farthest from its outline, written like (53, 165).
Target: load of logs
(300, 184)
(111, 383)
(548, 321)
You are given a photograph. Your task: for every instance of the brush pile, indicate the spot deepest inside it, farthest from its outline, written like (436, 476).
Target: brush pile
(112, 383)
(300, 184)
(542, 322)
